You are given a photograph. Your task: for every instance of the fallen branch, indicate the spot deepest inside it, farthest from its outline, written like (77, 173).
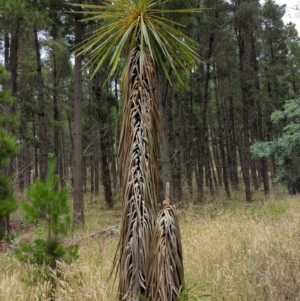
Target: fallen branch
(108, 232)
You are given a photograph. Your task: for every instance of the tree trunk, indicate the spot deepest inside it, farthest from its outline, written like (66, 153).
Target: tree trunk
(24, 164)
(111, 154)
(63, 159)
(56, 117)
(97, 172)
(6, 50)
(245, 148)
(263, 161)
(11, 61)
(43, 162)
(189, 150)
(35, 151)
(164, 150)
(254, 176)
(92, 175)
(84, 174)
(215, 157)
(231, 141)
(177, 162)
(245, 145)
(204, 147)
(78, 204)
(104, 143)
(222, 140)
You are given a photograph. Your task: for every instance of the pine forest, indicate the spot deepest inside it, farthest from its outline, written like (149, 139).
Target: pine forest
(149, 150)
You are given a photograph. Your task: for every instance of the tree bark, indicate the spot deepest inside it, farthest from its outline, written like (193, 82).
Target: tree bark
(189, 150)
(24, 166)
(104, 143)
(164, 150)
(215, 155)
(177, 162)
(78, 204)
(35, 151)
(43, 162)
(92, 175)
(111, 149)
(222, 140)
(97, 172)
(245, 145)
(231, 141)
(84, 174)
(204, 150)
(6, 50)
(260, 133)
(11, 62)
(56, 118)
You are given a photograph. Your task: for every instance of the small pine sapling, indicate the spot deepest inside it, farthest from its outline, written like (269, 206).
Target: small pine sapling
(47, 248)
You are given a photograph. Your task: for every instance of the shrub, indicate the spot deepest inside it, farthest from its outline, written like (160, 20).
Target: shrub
(286, 148)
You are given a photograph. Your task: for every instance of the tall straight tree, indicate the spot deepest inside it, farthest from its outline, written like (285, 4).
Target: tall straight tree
(256, 104)
(164, 148)
(241, 30)
(78, 205)
(101, 105)
(9, 147)
(148, 39)
(59, 71)
(41, 113)
(10, 22)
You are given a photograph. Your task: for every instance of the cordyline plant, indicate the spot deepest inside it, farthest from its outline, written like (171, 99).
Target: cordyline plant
(137, 34)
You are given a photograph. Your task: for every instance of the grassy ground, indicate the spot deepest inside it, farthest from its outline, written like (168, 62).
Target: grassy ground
(234, 251)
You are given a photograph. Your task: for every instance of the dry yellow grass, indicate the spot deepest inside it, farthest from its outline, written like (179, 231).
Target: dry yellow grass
(231, 252)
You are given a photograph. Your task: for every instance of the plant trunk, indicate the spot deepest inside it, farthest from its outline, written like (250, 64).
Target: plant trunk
(84, 174)
(215, 158)
(11, 61)
(92, 175)
(177, 162)
(138, 157)
(231, 141)
(97, 175)
(245, 143)
(245, 147)
(78, 205)
(189, 149)
(56, 118)
(104, 143)
(260, 133)
(222, 140)
(204, 150)
(43, 162)
(24, 168)
(164, 149)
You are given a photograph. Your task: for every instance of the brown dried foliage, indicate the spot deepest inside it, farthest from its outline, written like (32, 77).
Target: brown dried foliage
(138, 157)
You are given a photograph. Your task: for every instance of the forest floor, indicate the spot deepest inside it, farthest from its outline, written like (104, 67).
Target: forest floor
(233, 251)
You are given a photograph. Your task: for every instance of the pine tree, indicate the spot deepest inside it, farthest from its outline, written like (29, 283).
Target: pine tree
(47, 249)
(286, 149)
(44, 194)
(8, 148)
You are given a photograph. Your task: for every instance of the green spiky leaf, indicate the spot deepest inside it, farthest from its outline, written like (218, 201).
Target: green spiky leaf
(122, 20)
